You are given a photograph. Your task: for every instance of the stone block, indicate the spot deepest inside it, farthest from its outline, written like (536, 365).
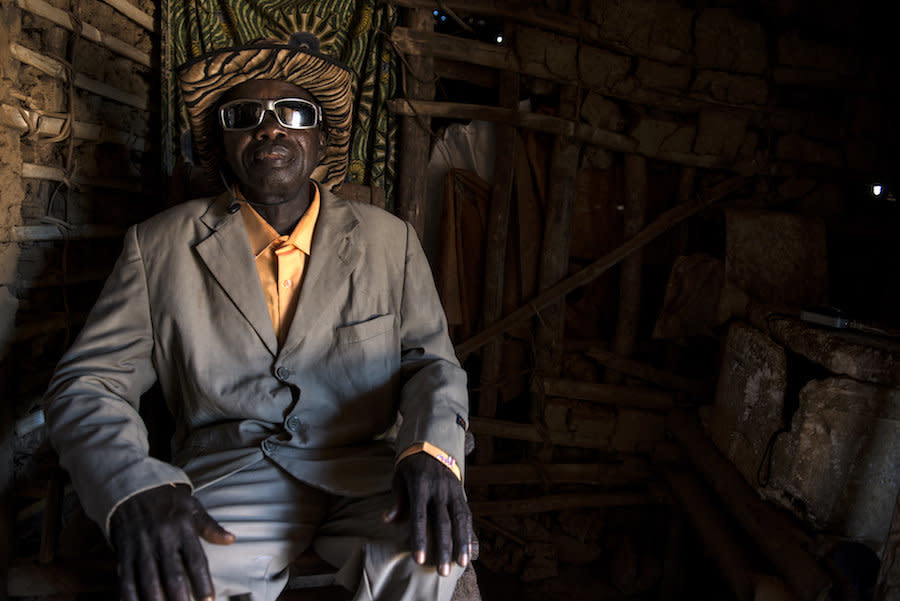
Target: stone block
(794, 147)
(691, 298)
(600, 112)
(727, 42)
(663, 76)
(720, 133)
(655, 135)
(749, 398)
(727, 87)
(601, 68)
(839, 466)
(549, 53)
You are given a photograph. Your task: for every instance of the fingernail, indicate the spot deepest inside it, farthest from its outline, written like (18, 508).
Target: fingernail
(444, 569)
(464, 559)
(420, 557)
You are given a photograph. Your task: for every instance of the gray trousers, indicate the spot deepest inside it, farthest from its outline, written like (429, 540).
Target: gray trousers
(275, 518)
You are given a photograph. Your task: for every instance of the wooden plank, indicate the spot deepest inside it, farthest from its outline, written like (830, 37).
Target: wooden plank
(54, 174)
(626, 396)
(562, 502)
(88, 31)
(630, 270)
(56, 69)
(779, 538)
(628, 473)
(661, 225)
(660, 377)
(415, 140)
(133, 13)
(15, 118)
(495, 258)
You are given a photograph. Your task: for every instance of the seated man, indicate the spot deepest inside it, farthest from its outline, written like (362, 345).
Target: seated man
(301, 347)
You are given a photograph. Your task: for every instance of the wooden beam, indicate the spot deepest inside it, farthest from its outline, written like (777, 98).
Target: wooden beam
(15, 118)
(629, 473)
(54, 174)
(639, 397)
(529, 433)
(88, 31)
(582, 132)
(495, 258)
(659, 377)
(562, 502)
(133, 13)
(54, 68)
(661, 225)
(49, 233)
(779, 538)
(630, 270)
(415, 131)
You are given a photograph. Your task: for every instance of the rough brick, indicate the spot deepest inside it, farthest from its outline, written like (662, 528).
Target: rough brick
(543, 51)
(602, 68)
(654, 74)
(600, 112)
(720, 133)
(654, 135)
(724, 41)
(661, 29)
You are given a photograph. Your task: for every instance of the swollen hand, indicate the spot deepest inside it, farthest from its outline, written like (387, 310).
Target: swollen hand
(435, 502)
(156, 534)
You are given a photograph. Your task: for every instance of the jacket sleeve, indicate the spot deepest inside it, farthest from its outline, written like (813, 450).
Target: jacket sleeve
(434, 399)
(93, 397)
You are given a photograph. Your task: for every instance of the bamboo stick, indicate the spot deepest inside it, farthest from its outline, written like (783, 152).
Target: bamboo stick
(52, 126)
(49, 233)
(495, 258)
(56, 69)
(562, 502)
(629, 473)
(33, 171)
(662, 378)
(88, 32)
(780, 539)
(639, 397)
(661, 225)
(133, 13)
(535, 121)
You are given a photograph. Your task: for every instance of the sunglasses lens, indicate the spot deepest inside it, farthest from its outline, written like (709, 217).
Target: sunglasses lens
(296, 114)
(241, 115)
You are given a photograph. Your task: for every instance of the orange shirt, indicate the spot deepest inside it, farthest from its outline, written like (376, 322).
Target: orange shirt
(281, 262)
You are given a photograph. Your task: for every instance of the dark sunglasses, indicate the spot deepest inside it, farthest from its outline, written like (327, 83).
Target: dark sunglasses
(248, 113)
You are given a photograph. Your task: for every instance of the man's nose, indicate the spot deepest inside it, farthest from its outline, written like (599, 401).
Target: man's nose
(270, 127)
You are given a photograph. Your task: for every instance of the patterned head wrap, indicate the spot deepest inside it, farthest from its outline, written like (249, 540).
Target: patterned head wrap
(205, 79)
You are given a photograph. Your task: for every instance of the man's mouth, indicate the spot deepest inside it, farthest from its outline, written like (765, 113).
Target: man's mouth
(271, 152)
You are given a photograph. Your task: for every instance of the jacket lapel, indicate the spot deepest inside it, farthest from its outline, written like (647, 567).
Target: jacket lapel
(332, 258)
(227, 255)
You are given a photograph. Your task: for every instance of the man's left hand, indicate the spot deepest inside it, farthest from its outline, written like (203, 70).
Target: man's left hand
(435, 501)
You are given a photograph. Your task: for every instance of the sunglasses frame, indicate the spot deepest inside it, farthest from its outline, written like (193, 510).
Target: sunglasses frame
(268, 105)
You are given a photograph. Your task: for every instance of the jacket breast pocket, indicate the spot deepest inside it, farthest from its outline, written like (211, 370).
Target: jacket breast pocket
(370, 353)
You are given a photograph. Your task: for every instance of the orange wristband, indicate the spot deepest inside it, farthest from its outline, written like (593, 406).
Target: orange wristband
(427, 447)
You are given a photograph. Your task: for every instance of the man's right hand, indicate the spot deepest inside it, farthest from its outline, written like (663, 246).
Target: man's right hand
(156, 534)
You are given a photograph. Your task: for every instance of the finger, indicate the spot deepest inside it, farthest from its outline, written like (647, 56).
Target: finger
(149, 586)
(127, 585)
(174, 580)
(418, 519)
(198, 569)
(393, 512)
(209, 529)
(440, 527)
(462, 532)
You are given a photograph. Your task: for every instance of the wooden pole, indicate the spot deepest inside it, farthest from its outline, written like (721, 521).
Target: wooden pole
(495, 259)
(54, 174)
(640, 397)
(631, 267)
(778, 537)
(88, 31)
(56, 69)
(659, 377)
(133, 13)
(662, 224)
(887, 587)
(554, 264)
(52, 126)
(415, 138)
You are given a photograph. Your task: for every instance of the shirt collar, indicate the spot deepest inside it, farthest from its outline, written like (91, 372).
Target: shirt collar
(262, 235)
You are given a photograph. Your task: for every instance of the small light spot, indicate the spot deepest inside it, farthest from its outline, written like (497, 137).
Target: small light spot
(435, 13)
(499, 38)
(620, 207)
(876, 190)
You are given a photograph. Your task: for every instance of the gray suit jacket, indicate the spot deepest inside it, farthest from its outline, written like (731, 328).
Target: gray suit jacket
(184, 307)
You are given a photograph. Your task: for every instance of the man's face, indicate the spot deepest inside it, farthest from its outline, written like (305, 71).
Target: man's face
(271, 160)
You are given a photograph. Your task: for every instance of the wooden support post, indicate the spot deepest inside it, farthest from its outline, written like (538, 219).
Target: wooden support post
(415, 140)
(782, 541)
(495, 258)
(887, 587)
(662, 224)
(631, 268)
(555, 252)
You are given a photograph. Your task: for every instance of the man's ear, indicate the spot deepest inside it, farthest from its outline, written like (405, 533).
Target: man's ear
(323, 140)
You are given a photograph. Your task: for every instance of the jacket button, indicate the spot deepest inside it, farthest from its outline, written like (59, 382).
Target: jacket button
(282, 373)
(267, 447)
(293, 423)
